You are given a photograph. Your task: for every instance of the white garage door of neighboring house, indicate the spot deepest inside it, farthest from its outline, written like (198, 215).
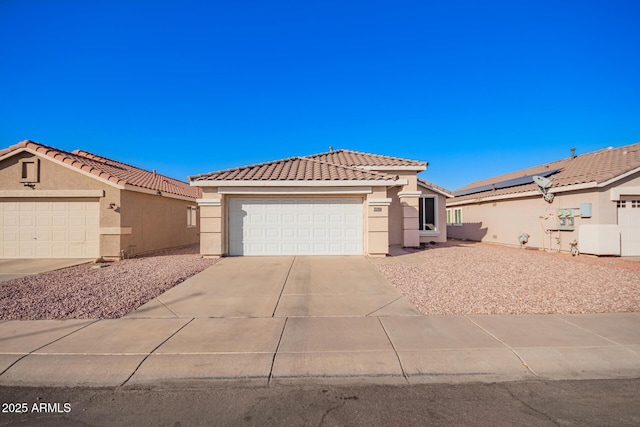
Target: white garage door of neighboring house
(49, 229)
(295, 226)
(629, 223)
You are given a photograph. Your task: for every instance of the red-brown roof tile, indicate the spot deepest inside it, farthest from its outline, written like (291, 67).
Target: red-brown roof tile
(356, 158)
(594, 167)
(436, 188)
(111, 170)
(293, 169)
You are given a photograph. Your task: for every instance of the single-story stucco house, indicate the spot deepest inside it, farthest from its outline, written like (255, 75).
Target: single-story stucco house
(591, 200)
(59, 204)
(338, 202)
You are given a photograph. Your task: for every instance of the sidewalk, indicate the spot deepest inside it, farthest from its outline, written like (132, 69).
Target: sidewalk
(279, 350)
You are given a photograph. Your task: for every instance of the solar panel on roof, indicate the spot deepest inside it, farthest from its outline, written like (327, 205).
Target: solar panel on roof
(514, 182)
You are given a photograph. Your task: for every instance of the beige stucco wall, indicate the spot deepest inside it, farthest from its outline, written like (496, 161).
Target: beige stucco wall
(377, 220)
(502, 221)
(156, 222)
(212, 209)
(403, 210)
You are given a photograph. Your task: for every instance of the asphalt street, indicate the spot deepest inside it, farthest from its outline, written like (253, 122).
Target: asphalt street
(525, 403)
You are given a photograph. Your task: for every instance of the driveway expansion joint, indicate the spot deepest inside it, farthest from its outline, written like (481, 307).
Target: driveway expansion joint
(275, 353)
(153, 351)
(167, 307)
(44, 345)
(524, 363)
(587, 330)
(404, 372)
(284, 284)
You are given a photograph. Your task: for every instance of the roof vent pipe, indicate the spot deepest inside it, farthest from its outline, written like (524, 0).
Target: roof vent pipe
(573, 153)
(330, 148)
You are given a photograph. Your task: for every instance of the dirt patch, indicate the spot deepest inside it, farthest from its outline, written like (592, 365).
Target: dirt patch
(480, 278)
(86, 292)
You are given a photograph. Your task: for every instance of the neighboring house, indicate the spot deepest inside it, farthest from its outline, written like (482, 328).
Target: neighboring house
(59, 204)
(592, 199)
(339, 202)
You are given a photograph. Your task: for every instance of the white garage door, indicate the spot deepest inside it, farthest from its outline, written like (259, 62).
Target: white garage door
(49, 229)
(629, 223)
(295, 226)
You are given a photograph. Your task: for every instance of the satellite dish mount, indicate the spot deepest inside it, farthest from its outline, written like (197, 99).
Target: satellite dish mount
(543, 186)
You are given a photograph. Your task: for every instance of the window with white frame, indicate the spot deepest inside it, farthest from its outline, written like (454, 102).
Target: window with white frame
(454, 216)
(427, 214)
(191, 216)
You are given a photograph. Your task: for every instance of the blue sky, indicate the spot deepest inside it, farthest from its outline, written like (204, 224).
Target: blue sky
(476, 88)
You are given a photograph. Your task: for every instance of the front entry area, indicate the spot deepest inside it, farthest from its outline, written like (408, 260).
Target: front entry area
(295, 226)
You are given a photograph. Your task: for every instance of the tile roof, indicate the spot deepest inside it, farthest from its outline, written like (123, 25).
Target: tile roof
(356, 158)
(436, 188)
(111, 170)
(594, 167)
(293, 169)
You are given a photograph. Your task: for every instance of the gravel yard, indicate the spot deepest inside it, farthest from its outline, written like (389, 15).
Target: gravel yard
(481, 278)
(83, 292)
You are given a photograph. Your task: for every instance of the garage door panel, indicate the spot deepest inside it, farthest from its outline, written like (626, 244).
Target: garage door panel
(59, 251)
(10, 251)
(26, 220)
(43, 206)
(295, 226)
(9, 207)
(42, 236)
(43, 221)
(629, 223)
(26, 206)
(76, 251)
(10, 220)
(77, 220)
(50, 229)
(59, 220)
(304, 218)
(10, 236)
(43, 251)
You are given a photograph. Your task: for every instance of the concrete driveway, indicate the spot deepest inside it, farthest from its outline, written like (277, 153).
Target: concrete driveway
(15, 268)
(299, 319)
(282, 287)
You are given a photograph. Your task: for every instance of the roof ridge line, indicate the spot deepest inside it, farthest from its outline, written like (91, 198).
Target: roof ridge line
(103, 159)
(363, 153)
(190, 177)
(353, 168)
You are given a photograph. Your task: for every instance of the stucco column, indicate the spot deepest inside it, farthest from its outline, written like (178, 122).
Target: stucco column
(377, 225)
(410, 232)
(211, 242)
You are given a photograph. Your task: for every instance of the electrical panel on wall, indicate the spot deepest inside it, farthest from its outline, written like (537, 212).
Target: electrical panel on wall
(566, 219)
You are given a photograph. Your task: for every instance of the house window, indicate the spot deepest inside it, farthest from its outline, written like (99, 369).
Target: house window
(427, 214)
(30, 170)
(191, 216)
(454, 216)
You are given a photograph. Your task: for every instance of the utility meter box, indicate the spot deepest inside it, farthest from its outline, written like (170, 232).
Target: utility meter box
(566, 219)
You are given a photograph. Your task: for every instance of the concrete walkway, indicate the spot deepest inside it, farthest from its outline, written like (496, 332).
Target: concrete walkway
(266, 321)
